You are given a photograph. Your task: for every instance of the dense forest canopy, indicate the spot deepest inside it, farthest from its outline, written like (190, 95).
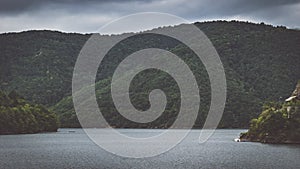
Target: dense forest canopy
(278, 122)
(261, 64)
(17, 116)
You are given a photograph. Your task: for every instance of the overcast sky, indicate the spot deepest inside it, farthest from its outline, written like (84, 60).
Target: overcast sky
(89, 15)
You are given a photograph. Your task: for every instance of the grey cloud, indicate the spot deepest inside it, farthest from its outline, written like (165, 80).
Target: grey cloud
(89, 15)
(234, 7)
(224, 6)
(19, 6)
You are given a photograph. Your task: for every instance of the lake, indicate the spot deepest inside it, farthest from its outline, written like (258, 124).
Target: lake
(72, 148)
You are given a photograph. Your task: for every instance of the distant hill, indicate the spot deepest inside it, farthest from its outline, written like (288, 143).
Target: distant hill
(39, 64)
(261, 64)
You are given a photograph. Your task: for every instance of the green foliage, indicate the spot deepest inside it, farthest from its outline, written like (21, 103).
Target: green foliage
(17, 116)
(39, 64)
(276, 124)
(259, 61)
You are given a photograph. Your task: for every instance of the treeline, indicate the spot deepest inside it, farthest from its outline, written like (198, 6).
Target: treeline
(17, 116)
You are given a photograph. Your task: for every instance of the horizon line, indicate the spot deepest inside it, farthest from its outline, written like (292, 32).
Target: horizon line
(195, 22)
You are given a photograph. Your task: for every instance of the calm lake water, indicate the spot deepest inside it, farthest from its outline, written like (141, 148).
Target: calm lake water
(74, 149)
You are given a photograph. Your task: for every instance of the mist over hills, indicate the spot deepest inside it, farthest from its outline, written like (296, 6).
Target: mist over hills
(261, 64)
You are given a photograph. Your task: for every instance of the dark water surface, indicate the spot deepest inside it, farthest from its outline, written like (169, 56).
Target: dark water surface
(74, 149)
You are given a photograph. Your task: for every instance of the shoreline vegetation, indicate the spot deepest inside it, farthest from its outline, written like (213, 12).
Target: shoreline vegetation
(18, 116)
(279, 123)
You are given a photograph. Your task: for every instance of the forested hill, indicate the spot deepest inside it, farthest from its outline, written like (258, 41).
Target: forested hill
(39, 64)
(261, 64)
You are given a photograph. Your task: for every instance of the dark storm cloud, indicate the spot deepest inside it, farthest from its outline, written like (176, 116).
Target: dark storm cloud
(19, 6)
(228, 6)
(235, 7)
(88, 15)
